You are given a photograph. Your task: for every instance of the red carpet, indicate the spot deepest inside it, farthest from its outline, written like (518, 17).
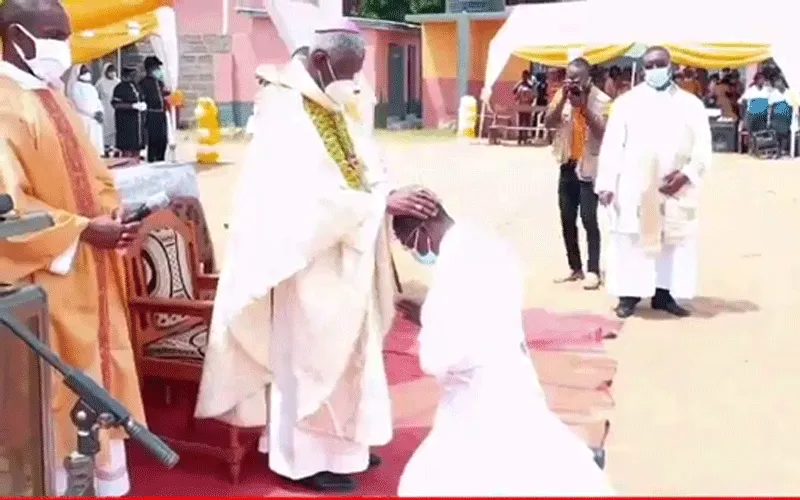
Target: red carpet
(578, 391)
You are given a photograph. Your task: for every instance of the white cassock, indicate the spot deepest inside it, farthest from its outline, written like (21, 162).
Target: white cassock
(493, 434)
(671, 127)
(86, 100)
(306, 295)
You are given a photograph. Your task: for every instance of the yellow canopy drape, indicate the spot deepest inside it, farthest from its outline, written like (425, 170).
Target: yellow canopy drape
(557, 55)
(701, 55)
(94, 14)
(719, 55)
(88, 45)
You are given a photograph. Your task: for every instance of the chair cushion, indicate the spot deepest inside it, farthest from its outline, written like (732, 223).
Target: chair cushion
(167, 272)
(185, 345)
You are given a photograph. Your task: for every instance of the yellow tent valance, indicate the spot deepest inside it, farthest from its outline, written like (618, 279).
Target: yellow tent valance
(558, 55)
(700, 55)
(88, 45)
(94, 14)
(719, 55)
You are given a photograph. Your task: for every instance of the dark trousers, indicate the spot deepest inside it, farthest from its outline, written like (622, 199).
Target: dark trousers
(156, 126)
(576, 196)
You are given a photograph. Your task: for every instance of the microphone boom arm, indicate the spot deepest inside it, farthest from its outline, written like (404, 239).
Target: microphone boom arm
(96, 407)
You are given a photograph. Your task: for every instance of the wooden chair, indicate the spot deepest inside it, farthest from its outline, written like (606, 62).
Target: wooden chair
(190, 210)
(169, 320)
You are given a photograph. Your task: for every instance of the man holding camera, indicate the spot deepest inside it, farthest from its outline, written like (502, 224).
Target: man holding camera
(578, 113)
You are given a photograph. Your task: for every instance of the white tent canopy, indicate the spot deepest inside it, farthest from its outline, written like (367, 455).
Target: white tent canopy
(593, 23)
(615, 22)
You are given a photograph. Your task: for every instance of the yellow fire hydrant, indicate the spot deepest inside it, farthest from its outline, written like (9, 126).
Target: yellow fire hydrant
(208, 130)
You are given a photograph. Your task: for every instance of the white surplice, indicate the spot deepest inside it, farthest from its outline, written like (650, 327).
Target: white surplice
(86, 100)
(493, 434)
(306, 294)
(672, 126)
(105, 90)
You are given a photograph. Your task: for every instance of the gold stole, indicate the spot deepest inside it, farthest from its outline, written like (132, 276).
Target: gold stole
(651, 210)
(332, 129)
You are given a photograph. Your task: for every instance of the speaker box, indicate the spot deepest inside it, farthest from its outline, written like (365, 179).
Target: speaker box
(724, 137)
(27, 458)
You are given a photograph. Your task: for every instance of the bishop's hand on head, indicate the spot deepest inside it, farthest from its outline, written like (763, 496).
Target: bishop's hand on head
(414, 201)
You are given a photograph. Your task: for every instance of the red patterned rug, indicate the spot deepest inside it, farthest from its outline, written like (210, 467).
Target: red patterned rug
(568, 352)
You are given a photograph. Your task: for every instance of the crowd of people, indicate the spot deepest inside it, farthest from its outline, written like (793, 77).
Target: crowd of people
(763, 104)
(121, 116)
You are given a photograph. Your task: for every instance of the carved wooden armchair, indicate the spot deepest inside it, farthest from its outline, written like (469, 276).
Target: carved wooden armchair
(171, 302)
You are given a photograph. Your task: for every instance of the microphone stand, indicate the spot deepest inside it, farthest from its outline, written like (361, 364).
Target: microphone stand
(96, 409)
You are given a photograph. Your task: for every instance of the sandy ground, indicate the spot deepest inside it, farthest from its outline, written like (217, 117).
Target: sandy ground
(707, 405)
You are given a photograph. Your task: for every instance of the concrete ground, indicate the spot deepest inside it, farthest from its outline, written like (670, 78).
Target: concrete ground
(707, 405)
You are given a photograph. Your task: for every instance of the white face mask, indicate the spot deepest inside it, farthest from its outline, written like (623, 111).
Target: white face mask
(342, 92)
(52, 59)
(85, 77)
(658, 78)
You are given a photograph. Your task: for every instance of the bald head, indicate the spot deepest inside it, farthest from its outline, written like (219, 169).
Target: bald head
(25, 22)
(577, 77)
(33, 14)
(656, 57)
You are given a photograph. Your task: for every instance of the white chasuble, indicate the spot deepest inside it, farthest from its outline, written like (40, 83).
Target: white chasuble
(306, 294)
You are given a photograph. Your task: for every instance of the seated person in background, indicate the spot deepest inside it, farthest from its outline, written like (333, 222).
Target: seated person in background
(611, 82)
(689, 82)
(524, 96)
(737, 84)
(493, 434)
(756, 101)
(723, 95)
(781, 113)
(710, 96)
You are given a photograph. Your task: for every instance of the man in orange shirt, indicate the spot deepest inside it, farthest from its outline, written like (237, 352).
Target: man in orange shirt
(689, 82)
(578, 113)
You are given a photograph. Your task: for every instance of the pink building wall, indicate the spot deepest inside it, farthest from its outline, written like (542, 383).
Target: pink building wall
(254, 41)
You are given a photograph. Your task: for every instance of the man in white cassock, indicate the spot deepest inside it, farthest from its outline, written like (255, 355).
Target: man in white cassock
(493, 434)
(655, 153)
(306, 292)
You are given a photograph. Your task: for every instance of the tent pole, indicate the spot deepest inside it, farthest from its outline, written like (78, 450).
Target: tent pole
(226, 11)
(483, 116)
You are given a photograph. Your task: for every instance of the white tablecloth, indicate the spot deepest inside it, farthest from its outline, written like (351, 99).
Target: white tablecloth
(136, 184)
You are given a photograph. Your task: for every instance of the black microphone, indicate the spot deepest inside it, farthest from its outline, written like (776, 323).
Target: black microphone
(158, 201)
(97, 398)
(6, 204)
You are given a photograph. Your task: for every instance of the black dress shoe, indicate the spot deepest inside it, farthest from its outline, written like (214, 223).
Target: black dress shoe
(328, 482)
(626, 307)
(374, 460)
(669, 305)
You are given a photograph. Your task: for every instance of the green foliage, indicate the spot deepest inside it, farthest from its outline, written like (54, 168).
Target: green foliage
(396, 10)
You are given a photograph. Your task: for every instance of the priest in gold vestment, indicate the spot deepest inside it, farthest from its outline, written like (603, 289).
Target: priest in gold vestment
(47, 163)
(306, 292)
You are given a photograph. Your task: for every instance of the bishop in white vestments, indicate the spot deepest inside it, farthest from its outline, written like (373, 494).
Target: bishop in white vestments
(493, 434)
(655, 154)
(306, 292)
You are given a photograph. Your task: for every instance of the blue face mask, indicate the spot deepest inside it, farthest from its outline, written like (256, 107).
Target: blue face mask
(426, 259)
(158, 74)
